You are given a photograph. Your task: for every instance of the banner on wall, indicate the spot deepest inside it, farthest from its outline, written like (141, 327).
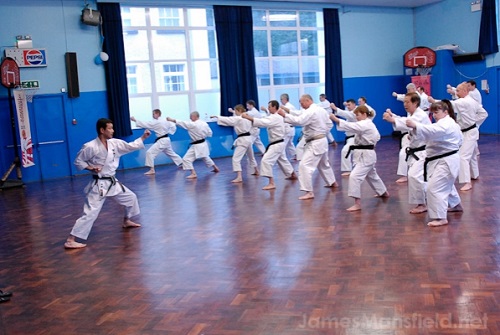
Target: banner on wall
(424, 81)
(23, 121)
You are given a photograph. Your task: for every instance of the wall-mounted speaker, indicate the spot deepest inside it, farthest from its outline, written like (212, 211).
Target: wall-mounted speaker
(72, 75)
(471, 57)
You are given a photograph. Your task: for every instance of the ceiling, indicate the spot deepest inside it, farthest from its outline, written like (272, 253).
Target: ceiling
(379, 3)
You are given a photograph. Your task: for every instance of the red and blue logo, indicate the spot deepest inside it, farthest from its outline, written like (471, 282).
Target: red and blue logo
(34, 57)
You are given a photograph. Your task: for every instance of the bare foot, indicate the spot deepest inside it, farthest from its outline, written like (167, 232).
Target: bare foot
(127, 223)
(74, 245)
(237, 180)
(293, 176)
(419, 209)
(334, 185)
(402, 180)
(346, 174)
(457, 208)
(438, 222)
(384, 195)
(308, 195)
(150, 172)
(215, 169)
(466, 187)
(354, 208)
(269, 187)
(192, 176)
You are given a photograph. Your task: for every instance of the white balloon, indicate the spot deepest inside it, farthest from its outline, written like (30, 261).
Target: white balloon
(104, 56)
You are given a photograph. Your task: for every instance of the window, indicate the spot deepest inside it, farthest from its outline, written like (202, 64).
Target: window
(131, 79)
(173, 77)
(289, 53)
(171, 60)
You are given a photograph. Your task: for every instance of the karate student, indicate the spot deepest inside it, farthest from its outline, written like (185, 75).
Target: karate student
(363, 102)
(286, 106)
(243, 143)
(403, 140)
(162, 129)
(251, 110)
(275, 151)
(365, 139)
(442, 164)
(315, 123)
(349, 116)
(415, 152)
(469, 115)
(198, 131)
(324, 103)
(101, 156)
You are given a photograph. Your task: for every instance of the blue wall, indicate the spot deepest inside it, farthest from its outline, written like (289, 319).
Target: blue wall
(373, 43)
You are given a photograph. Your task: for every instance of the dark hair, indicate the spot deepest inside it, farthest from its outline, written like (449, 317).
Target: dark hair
(472, 82)
(284, 95)
(274, 104)
(414, 98)
(446, 106)
(251, 102)
(157, 111)
(363, 98)
(102, 123)
(351, 100)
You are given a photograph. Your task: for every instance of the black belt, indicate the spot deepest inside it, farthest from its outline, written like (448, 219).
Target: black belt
(112, 179)
(412, 151)
(401, 140)
(348, 137)
(243, 134)
(159, 138)
(357, 147)
(197, 141)
(429, 159)
(272, 143)
(469, 128)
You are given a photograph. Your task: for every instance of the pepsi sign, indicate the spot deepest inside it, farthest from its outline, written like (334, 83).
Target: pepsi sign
(34, 57)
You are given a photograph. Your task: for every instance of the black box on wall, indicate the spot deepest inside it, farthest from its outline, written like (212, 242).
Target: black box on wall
(72, 75)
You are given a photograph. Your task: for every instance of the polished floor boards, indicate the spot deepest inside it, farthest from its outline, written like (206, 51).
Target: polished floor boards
(223, 259)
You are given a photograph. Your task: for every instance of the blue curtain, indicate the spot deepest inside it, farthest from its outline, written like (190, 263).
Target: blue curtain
(334, 85)
(238, 78)
(115, 68)
(488, 43)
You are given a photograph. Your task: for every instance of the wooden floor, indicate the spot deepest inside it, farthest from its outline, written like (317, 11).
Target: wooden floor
(223, 259)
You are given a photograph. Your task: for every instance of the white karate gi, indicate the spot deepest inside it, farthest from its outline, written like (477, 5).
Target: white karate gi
(94, 153)
(161, 127)
(468, 112)
(256, 131)
(242, 144)
(364, 160)
(276, 129)
(315, 122)
(416, 184)
(290, 132)
(441, 137)
(346, 163)
(197, 130)
(325, 104)
(374, 112)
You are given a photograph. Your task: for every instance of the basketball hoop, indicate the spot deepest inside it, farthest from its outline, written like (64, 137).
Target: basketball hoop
(423, 70)
(30, 93)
